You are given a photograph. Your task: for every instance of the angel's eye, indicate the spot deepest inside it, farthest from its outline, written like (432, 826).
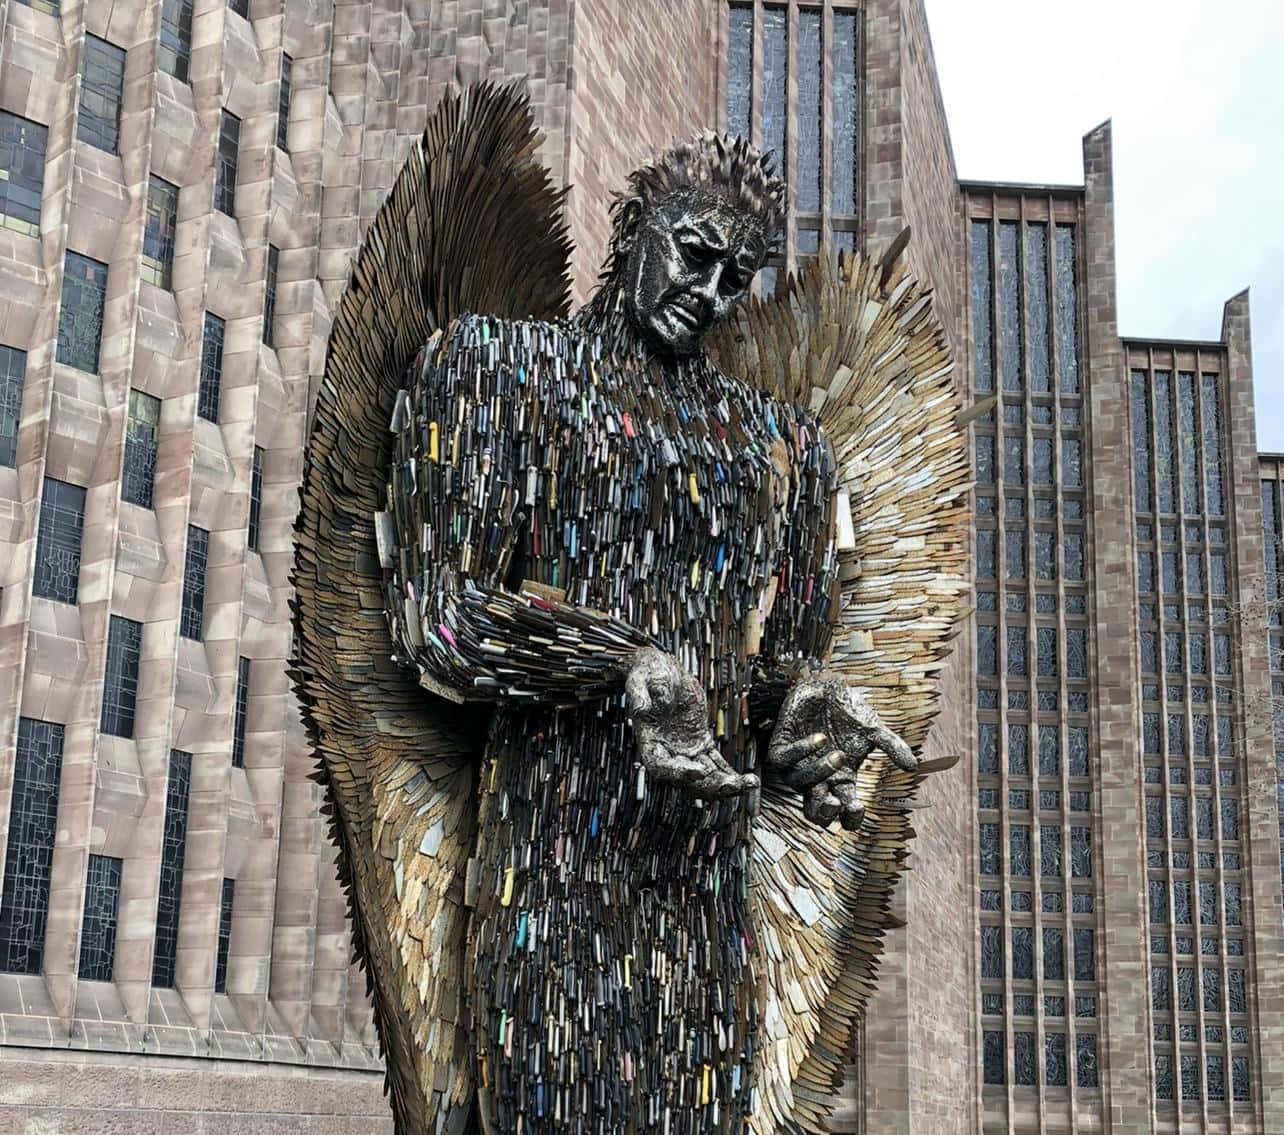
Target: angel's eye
(732, 282)
(697, 255)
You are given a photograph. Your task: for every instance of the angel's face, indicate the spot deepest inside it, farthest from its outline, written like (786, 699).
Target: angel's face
(687, 262)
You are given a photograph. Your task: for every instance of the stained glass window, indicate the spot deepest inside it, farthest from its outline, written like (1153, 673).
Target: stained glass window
(1019, 749)
(158, 235)
(242, 711)
(13, 372)
(173, 850)
(1054, 954)
(224, 935)
(1019, 850)
(1054, 1059)
(1017, 664)
(1186, 989)
(1215, 1067)
(1212, 446)
(808, 106)
(62, 522)
(174, 52)
(992, 952)
(98, 928)
(1023, 1060)
(991, 850)
(102, 85)
(256, 499)
(80, 318)
(1237, 1001)
(269, 295)
(1085, 958)
(1049, 751)
(138, 480)
(1067, 310)
(1072, 553)
(981, 289)
(192, 614)
(22, 172)
(988, 744)
(283, 103)
(1036, 282)
(1161, 995)
(845, 115)
(1163, 1076)
(985, 459)
(985, 554)
(1014, 553)
(1086, 1053)
(1009, 315)
(775, 81)
(1081, 852)
(225, 167)
(1047, 643)
(740, 69)
(33, 825)
(240, 7)
(994, 1057)
(207, 400)
(120, 684)
(1050, 851)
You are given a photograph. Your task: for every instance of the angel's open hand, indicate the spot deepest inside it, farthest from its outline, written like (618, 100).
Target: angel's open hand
(825, 730)
(671, 722)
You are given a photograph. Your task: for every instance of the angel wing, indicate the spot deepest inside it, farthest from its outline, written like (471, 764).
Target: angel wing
(858, 342)
(471, 224)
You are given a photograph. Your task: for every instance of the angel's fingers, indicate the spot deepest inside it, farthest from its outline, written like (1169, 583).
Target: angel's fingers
(900, 753)
(635, 689)
(821, 807)
(813, 770)
(788, 755)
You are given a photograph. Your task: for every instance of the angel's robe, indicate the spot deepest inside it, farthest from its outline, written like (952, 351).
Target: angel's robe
(611, 959)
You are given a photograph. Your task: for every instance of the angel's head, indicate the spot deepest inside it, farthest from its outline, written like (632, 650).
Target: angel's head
(689, 234)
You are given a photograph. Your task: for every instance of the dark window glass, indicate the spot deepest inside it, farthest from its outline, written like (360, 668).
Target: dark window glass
(62, 522)
(1017, 664)
(98, 122)
(1237, 1002)
(1186, 989)
(1036, 283)
(224, 935)
(988, 738)
(985, 459)
(991, 850)
(1045, 561)
(1014, 553)
(992, 952)
(173, 849)
(1163, 1076)
(1230, 819)
(775, 81)
(1022, 953)
(1239, 1077)
(1023, 1062)
(1190, 1077)
(269, 296)
(986, 554)
(1080, 852)
(1049, 751)
(242, 711)
(1019, 750)
(1231, 896)
(1086, 1053)
(1165, 466)
(1215, 1067)
(1140, 440)
(1009, 321)
(1181, 903)
(1212, 990)
(1013, 460)
(1019, 850)
(1078, 736)
(240, 7)
(845, 115)
(1161, 994)
(1054, 954)
(1054, 1059)
(256, 499)
(1071, 463)
(1047, 644)
(211, 367)
(283, 102)
(994, 1057)
(229, 149)
(1203, 815)
(98, 929)
(138, 480)
(22, 172)
(13, 371)
(192, 615)
(33, 824)
(1072, 555)
(120, 684)
(158, 236)
(1050, 851)
(1085, 957)
(1180, 818)
(174, 52)
(1154, 817)
(739, 69)
(1067, 311)
(80, 319)
(1076, 652)
(982, 290)
(1212, 446)
(808, 116)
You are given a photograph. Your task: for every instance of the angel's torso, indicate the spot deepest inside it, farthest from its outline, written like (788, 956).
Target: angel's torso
(611, 945)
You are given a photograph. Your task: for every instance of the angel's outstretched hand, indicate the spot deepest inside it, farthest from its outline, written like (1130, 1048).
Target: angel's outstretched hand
(825, 730)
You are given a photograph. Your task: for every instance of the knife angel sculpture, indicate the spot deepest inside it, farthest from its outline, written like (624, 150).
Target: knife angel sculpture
(618, 635)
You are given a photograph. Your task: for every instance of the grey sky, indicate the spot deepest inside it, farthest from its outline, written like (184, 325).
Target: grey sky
(1196, 92)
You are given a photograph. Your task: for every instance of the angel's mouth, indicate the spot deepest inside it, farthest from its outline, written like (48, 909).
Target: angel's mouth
(684, 315)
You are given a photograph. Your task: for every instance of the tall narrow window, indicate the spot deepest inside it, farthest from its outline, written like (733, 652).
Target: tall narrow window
(982, 292)
(120, 683)
(13, 370)
(240, 7)
(192, 615)
(98, 929)
(256, 499)
(158, 236)
(810, 124)
(844, 118)
(33, 824)
(1067, 310)
(22, 172)
(283, 103)
(174, 53)
(224, 935)
(775, 82)
(242, 712)
(102, 85)
(225, 166)
(138, 482)
(207, 398)
(49, 7)
(62, 522)
(173, 849)
(80, 319)
(269, 295)
(740, 69)
(1010, 305)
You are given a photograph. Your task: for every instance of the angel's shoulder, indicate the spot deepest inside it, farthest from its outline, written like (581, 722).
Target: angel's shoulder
(474, 343)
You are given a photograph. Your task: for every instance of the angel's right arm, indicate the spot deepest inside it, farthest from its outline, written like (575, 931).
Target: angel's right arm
(464, 484)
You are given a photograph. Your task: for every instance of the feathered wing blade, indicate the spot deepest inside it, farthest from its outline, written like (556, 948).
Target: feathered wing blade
(858, 342)
(472, 223)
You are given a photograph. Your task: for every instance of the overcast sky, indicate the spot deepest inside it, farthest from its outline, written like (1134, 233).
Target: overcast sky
(1196, 93)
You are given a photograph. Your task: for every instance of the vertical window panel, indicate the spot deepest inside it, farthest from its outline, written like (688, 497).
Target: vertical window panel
(283, 103)
(740, 69)
(1019, 850)
(1022, 953)
(1086, 1060)
(775, 82)
(1067, 310)
(1054, 1059)
(120, 683)
(982, 287)
(269, 296)
(211, 382)
(80, 317)
(62, 523)
(226, 163)
(808, 117)
(22, 172)
(1009, 315)
(1054, 954)
(173, 851)
(102, 85)
(1036, 284)
(256, 499)
(991, 850)
(1187, 444)
(844, 116)
(138, 479)
(98, 927)
(1212, 446)
(13, 373)
(158, 235)
(1085, 954)
(994, 1058)
(192, 612)
(174, 52)
(242, 711)
(1165, 470)
(224, 935)
(28, 863)
(1024, 1067)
